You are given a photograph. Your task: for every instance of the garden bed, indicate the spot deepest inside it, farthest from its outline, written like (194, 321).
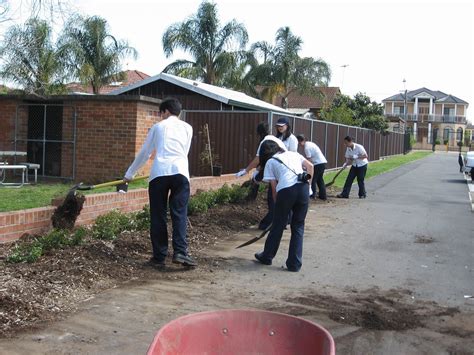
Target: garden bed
(54, 285)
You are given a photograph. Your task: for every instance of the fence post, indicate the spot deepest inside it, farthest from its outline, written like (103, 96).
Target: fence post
(74, 140)
(326, 140)
(370, 134)
(311, 136)
(337, 144)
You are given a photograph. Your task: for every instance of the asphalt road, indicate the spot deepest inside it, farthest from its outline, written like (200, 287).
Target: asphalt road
(410, 243)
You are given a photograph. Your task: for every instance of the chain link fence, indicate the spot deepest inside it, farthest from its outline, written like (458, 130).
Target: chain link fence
(47, 133)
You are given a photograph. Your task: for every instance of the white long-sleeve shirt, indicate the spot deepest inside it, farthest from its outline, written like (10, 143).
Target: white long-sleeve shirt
(171, 140)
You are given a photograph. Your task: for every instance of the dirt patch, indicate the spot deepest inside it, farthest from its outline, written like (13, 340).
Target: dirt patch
(54, 285)
(65, 215)
(423, 239)
(371, 309)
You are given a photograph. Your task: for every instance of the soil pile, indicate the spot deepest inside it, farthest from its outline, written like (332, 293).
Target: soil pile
(55, 284)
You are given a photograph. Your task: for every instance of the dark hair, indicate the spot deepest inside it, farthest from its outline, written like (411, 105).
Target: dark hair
(172, 105)
(348, 138)
(263, 130)
(267, 150)
(301, 138)
(286, 134)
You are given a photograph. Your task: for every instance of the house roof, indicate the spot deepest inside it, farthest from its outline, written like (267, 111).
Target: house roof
(131, 76)
(438, 96)
(325, 95)
(226, 96)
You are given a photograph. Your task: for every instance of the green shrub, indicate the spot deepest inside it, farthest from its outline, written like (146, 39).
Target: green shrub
(204, 200)
(77, 238)
(437, 141)
(110, 225)
(141, 219)
(223, 195)
(238, 194)
(25, 253)
(197, 204)
(55, 239)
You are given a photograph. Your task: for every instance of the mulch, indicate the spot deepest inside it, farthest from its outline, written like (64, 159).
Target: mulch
(55, 285)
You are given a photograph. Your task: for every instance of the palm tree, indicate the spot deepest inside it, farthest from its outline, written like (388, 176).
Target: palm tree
(283, 71)
(31, 60)
(210, 45)
(92, 53)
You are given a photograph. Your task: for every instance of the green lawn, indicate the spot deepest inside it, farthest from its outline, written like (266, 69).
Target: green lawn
(30, 196)
(378, 167)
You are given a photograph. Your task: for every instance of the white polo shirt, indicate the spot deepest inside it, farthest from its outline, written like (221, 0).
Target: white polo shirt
(271, 137)
(291, 143)
(314, 154)
(171, 140)
(357, 151)
(274, 170)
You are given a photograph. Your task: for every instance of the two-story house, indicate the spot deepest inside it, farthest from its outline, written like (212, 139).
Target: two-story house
(431, 116)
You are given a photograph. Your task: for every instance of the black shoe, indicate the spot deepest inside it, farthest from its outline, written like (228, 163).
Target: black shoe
(156, 262)
(323, 199)
(342, 196)
(185, 260)
(363, 196)
(259, 257)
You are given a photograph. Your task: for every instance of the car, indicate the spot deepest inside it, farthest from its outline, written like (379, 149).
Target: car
(468, 162)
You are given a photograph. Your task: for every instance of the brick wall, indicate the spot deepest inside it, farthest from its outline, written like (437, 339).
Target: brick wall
(38, 220)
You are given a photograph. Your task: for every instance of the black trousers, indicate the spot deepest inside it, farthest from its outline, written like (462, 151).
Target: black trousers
(177, 187)
(319, 181)
(358, 172)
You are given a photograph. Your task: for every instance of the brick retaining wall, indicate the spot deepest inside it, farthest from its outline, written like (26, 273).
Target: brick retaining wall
(38, 220)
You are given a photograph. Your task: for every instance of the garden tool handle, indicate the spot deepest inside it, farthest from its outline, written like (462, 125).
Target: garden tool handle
(118, 182)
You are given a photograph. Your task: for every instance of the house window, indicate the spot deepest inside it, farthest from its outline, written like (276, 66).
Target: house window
(398, 110)
(459, 134)
(446, 133)
(448, 111)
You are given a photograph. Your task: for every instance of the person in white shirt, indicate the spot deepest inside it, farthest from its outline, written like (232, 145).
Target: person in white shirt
(170, 139)
(284, 133)
(290, 191)
(317, 158)
(356, 156)
(263, 132)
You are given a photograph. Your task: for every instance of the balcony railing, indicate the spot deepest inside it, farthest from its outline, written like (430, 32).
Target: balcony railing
(430, 118)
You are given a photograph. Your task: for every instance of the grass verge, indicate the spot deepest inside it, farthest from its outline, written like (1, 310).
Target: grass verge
(31, 196)
(378, 167)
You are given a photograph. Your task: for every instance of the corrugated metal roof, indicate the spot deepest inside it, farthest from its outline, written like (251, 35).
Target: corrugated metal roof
(227, 96)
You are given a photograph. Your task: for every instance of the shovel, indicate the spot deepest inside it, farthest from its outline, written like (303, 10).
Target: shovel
(251, 241)
(121, 185)
(330, 183)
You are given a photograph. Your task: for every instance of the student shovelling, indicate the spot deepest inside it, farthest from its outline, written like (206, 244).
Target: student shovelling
(170, 139)
(356, 156)
(284, 171)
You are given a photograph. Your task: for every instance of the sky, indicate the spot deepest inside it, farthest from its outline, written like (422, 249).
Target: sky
(371, 46)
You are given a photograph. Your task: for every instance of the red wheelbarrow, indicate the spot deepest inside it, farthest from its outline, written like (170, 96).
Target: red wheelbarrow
(242, 332)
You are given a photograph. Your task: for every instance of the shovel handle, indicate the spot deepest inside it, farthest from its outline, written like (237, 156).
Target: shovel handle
(117, 182)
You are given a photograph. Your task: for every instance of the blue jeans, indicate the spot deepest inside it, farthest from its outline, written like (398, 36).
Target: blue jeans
(158, 191)
(291, 199)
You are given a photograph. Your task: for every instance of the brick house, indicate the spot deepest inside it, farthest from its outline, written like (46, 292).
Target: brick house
(94, 138)
(429, 114)
(81, 137)
(130, 77)
(309, 105)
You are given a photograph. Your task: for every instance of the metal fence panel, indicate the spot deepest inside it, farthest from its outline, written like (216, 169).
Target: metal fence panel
(234, 139)
(47, 133)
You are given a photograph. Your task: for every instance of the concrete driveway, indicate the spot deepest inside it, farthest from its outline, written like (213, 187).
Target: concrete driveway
(390, 274)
